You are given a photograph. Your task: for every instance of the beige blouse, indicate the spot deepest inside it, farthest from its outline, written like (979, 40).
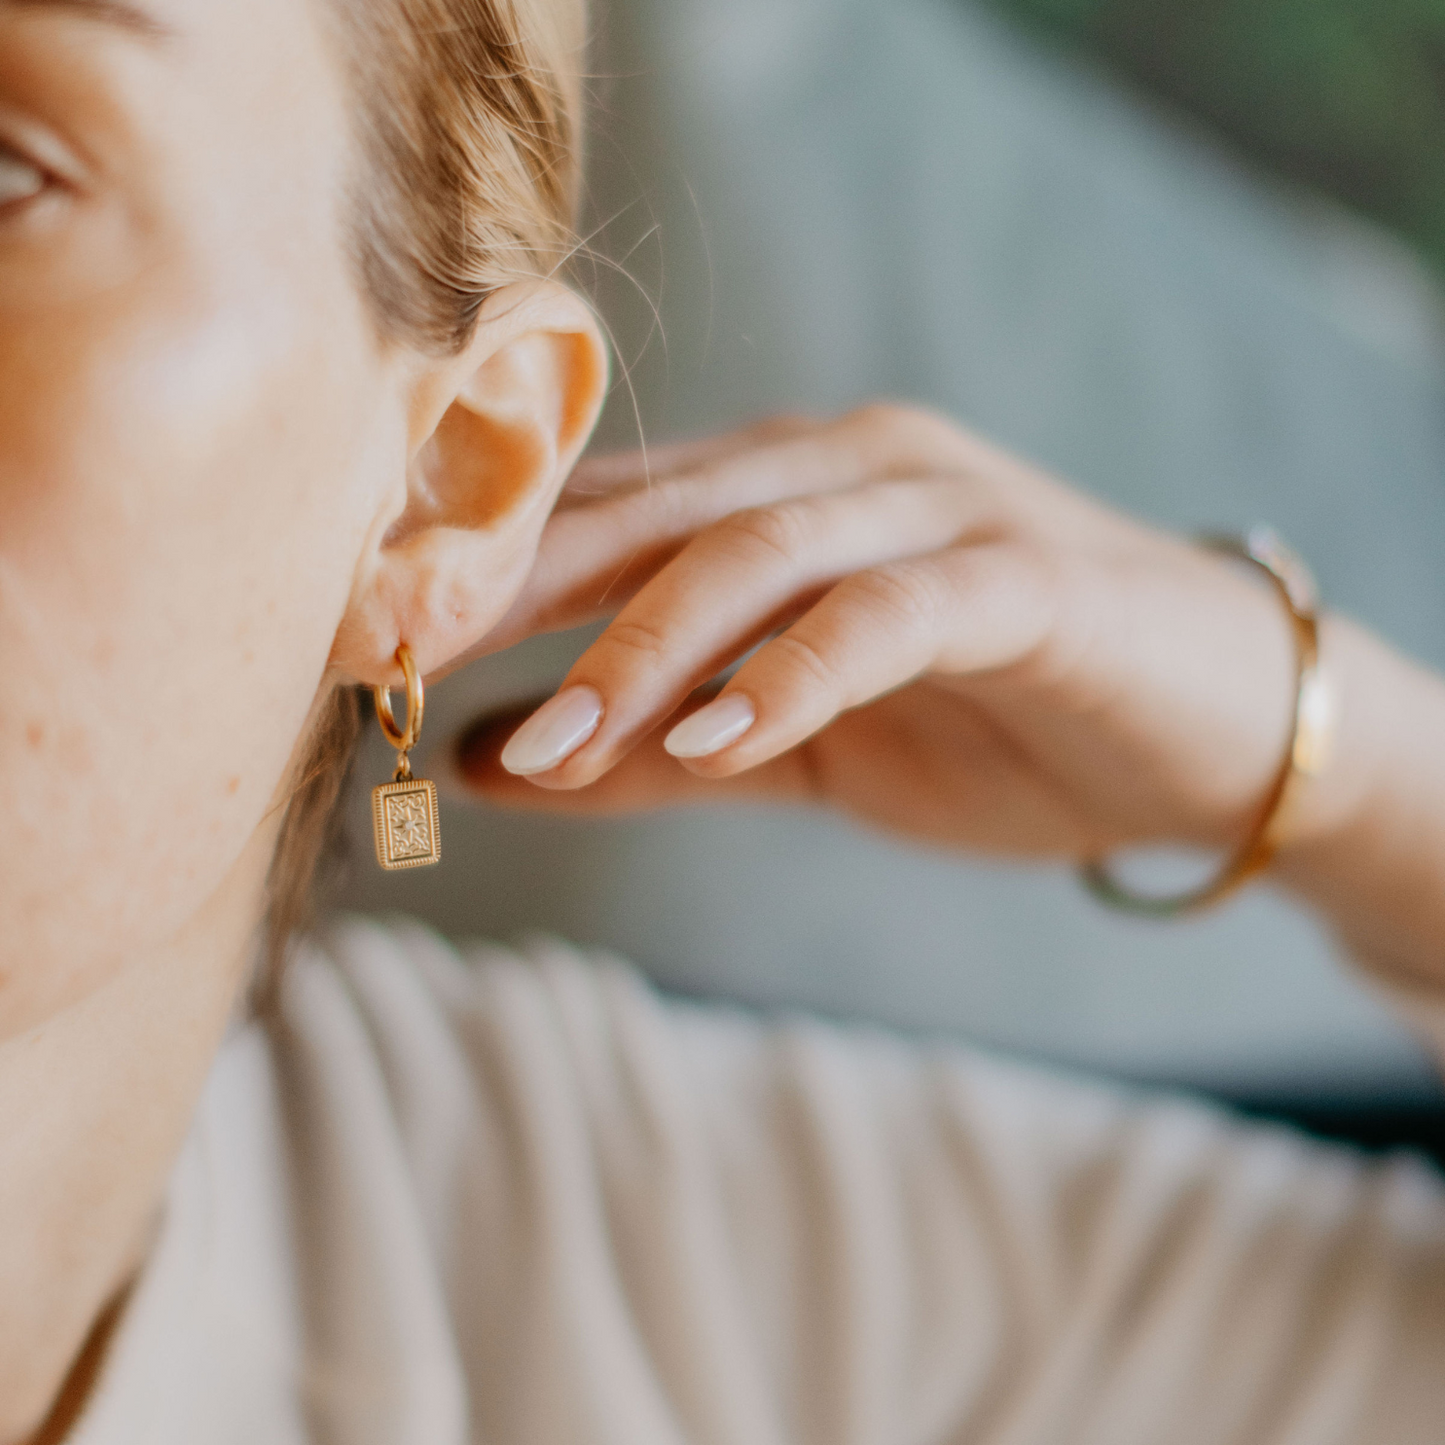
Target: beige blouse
(515, 1198)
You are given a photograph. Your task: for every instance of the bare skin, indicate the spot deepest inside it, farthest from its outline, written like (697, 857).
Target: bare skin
(221, 496)
(966, 652)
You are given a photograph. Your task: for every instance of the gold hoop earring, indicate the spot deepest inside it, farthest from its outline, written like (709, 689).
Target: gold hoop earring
(404, 811)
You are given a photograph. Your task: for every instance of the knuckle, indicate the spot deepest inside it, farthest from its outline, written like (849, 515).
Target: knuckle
(638, 639)
(666, 506)
(913, 436)
(801, 655)
(878, 415)
(1064, 594)
(783, 427)
(780, 531)
(905, 594)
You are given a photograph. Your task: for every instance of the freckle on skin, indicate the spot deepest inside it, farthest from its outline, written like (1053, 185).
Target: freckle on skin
(232, 786)
(35, 734)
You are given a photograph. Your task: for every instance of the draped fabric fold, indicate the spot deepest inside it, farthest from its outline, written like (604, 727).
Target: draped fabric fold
(513, 1197)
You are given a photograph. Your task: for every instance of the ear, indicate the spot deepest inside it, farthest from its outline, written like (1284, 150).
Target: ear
(494, 433)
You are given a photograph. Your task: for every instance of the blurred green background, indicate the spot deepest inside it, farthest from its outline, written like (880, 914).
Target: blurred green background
(1344, 95)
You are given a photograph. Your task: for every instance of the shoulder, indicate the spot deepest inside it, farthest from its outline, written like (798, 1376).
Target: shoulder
(576, 1044)
(421, 1003)
(626, 1217)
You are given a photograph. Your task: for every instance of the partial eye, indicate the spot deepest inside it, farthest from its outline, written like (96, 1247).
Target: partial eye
(19, 180)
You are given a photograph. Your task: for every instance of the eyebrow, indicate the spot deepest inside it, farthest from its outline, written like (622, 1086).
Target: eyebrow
(109, 12)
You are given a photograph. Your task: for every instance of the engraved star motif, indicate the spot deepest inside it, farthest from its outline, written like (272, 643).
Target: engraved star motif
(409, 823)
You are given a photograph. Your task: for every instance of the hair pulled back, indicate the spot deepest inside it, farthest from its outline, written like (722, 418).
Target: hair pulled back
(467, 120)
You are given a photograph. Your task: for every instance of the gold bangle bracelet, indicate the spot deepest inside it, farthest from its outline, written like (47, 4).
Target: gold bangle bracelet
(1305, 757)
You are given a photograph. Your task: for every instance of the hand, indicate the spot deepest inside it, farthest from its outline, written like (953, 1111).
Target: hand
(953, 646)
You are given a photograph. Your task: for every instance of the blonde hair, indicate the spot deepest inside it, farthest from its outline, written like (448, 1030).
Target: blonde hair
(466, 177)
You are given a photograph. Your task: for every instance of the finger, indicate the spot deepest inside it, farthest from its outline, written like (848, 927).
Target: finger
(648, 778)
(613, 474)
(960, 612)
(593, 558)
(732, 586)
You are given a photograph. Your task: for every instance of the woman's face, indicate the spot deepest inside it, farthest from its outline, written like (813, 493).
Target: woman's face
(197, 431)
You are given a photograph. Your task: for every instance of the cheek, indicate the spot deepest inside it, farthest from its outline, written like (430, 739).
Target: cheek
(181, 506)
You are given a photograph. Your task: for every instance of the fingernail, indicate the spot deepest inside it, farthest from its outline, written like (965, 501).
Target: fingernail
(713, 728)
(554, 732)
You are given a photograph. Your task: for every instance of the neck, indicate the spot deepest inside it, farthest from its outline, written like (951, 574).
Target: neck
(94, 1104)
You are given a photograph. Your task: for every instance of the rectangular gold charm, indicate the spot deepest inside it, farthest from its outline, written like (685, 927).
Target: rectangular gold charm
(405, 814)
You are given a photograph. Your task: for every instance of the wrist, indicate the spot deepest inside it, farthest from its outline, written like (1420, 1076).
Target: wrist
(1332, 805)
(1367, 845)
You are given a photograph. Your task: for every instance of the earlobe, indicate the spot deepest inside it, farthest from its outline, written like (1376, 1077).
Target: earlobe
(495, 432)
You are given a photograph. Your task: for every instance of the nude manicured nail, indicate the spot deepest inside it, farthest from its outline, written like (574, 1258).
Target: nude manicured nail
(554, 732)
(713, 728)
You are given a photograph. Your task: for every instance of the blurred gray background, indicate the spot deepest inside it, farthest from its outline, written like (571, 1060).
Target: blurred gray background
(828, 200)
